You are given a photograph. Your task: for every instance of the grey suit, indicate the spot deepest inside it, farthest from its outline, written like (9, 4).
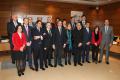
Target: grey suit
(107, 39)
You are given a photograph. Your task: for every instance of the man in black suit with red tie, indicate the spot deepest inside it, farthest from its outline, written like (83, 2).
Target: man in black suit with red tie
(10, 30)
(59, 43)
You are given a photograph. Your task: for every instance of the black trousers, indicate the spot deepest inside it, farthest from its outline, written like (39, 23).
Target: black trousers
(95, 50)
(20, 61)
(77, 55)
(12, 52)
(58, 55)
(29, 55)
(85, 53)
(67, 54)
(47, 56)
(38, 56)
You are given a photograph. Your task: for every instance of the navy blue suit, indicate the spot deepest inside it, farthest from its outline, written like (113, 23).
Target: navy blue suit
(86, 48)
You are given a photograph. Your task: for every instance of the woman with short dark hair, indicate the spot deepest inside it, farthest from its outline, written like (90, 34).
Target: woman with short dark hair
(96, 39)
(19, 42)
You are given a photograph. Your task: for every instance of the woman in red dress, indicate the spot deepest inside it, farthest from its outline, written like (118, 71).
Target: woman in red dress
(19, 42)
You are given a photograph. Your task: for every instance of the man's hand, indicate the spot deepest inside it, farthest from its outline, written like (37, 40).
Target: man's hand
(64, 45)
(80, 44)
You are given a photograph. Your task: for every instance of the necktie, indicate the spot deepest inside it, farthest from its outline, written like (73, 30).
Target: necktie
(106, 29)
(49, 32)
(60, 31)
(27, 30)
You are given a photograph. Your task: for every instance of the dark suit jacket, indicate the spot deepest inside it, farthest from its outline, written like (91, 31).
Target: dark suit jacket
(10, 31)
(73, 25)
(59, 40)
(77, 37)
(86, 36)
(38, 42)
(48, 40)
(29, 36)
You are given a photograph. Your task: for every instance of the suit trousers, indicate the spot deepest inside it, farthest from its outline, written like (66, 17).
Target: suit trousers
(38, 56)
(85, 52)
(107, 52)
(58, 55)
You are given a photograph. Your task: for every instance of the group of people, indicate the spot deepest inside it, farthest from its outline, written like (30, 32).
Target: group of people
(38, 43)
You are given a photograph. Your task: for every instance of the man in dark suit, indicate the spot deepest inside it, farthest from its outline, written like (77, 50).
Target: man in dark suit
(83, 21)
(48, 42)
(86, 42)
(77, 44)
(27, 32)
(10, 29)
(59, 42)
(31, 23)
(72, 22)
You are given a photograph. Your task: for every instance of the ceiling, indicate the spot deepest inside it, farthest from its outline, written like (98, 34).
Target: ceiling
(88, 2)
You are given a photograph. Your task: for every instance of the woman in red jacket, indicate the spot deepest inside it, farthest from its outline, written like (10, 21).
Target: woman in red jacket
(19, 42)
(96, 39)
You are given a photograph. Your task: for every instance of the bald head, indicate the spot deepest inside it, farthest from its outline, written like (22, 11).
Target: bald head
(14, 17)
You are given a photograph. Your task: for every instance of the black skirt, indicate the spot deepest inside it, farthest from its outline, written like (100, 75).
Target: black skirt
(19, 55)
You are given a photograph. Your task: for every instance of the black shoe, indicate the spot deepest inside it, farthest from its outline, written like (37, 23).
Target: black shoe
(46, 66)
(50, 65)
(13, 62)
(80, 64)
(107, 62)
(36, 70)
(65, 63)
(55, 66)
(42, 69)
(83, 61)
(19, 74)
(88, 61)
(99, 61)
(69, 63)
(32, 68)
(75, 64)
(61, 65)
(22, 73)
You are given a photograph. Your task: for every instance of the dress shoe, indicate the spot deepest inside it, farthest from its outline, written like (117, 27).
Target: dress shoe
(75, 64)
(80, 64)
(55, 65)
(19, 74)
(107, 62)
(46, 66)
(36, 70)
(61, 65)
(42, 69)
(69, 63)
(22, 73)
(99, 61)
(32, 68)
(13, 62)
(65, 63)
(83, 61)
(88, 61)
(50, 65)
